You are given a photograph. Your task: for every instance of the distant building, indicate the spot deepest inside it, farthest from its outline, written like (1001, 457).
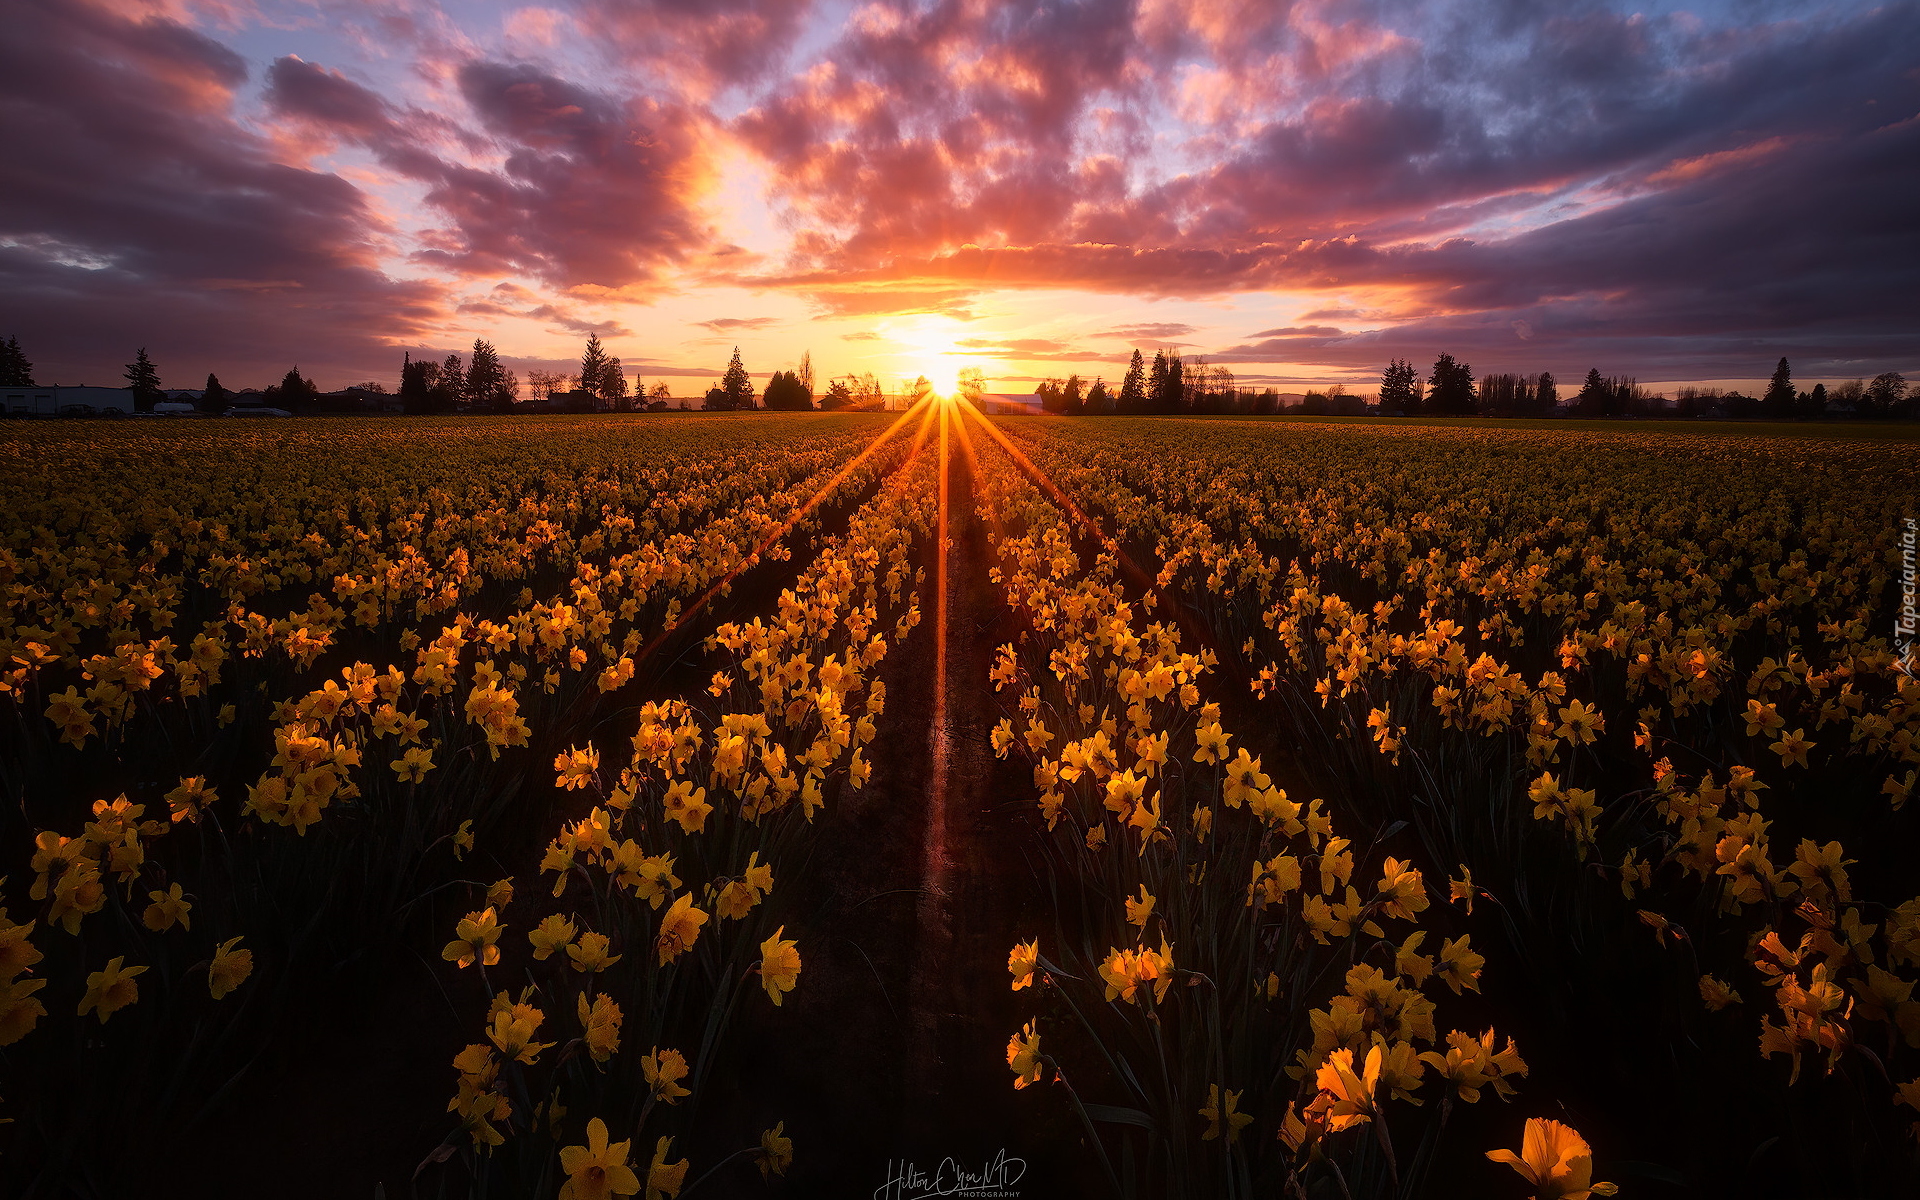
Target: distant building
(66, 401)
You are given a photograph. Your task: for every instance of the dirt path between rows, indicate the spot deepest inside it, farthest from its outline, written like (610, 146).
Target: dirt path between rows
(891, 1056)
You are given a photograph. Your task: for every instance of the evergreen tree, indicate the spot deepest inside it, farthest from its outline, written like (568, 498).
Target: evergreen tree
(214, 398)
(613, 385)
(294, 390)
(1099, 400)
(1596, 395)
(1816, 401)
(451, 384)
(1778, 399)
(736, 384)
(1452, 387)
(1396, 388)
(1070, 397)
(485, 382)
(593, 365)
(15, 370)
(1157, 382)
(143, 379)
(1133, 388)
(1545, 395)
(1176, 397)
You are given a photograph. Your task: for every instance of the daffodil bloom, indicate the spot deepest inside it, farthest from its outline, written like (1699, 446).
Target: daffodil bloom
(663, 1071)
(229, 968)
(576, 768)
(512, 1030)
(1022, 961)
(413, 765)
(16, 952)
(168, 908)
(19, 1011)
(500, 893)
(597, 1170)
(474, 940)
(776, 1152)
(687, 806)
(1243, 780)
(1715, 994)
(1138, 911)
(110, 990)
(601, 1023)
(1220, 1115)
(590, 953)
(1211, 743)
(1459, 965)
(664, 1178)
(1556, 1161)
(779, 965)
(463, 842)
(1346, 1099)
(553, 933)
(679, 929)
(1023, 1056)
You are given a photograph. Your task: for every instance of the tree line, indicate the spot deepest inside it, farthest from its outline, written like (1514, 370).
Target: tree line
(1173, 386)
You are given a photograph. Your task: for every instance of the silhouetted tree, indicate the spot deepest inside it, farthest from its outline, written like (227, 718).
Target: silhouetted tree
(1133, 387)
(972, 385)
(450, 385)
(613, 386)
(1176, 398)
(1886, 395)
(838, 396)
(736, 384)
(1778, 399)
(1396, 388)
(1545, 395)
(143, 379)
(1814, 403)
(593, 365)
(1099, 401)
(1072, 396)
(420, 390)
(1596, 395)
(1157, 382)
(785, 392)
(15, 370)
(294, 391)
(486, 381)
(805, 373)
(1452, 384)
(214, 398)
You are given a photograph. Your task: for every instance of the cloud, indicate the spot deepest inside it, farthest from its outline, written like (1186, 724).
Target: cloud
(1159, 332)
(1310, 331)
(728, 324)
(591, 189)
(140, 211)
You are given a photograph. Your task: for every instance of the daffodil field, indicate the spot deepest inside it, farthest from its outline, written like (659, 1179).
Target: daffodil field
(1406, 810)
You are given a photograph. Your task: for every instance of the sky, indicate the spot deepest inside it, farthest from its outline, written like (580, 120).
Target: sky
(1298, 192)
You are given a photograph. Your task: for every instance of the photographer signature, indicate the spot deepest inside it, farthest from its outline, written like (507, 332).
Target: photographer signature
(906, 1181)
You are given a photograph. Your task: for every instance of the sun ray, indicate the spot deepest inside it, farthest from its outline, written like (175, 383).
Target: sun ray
(794, 518)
